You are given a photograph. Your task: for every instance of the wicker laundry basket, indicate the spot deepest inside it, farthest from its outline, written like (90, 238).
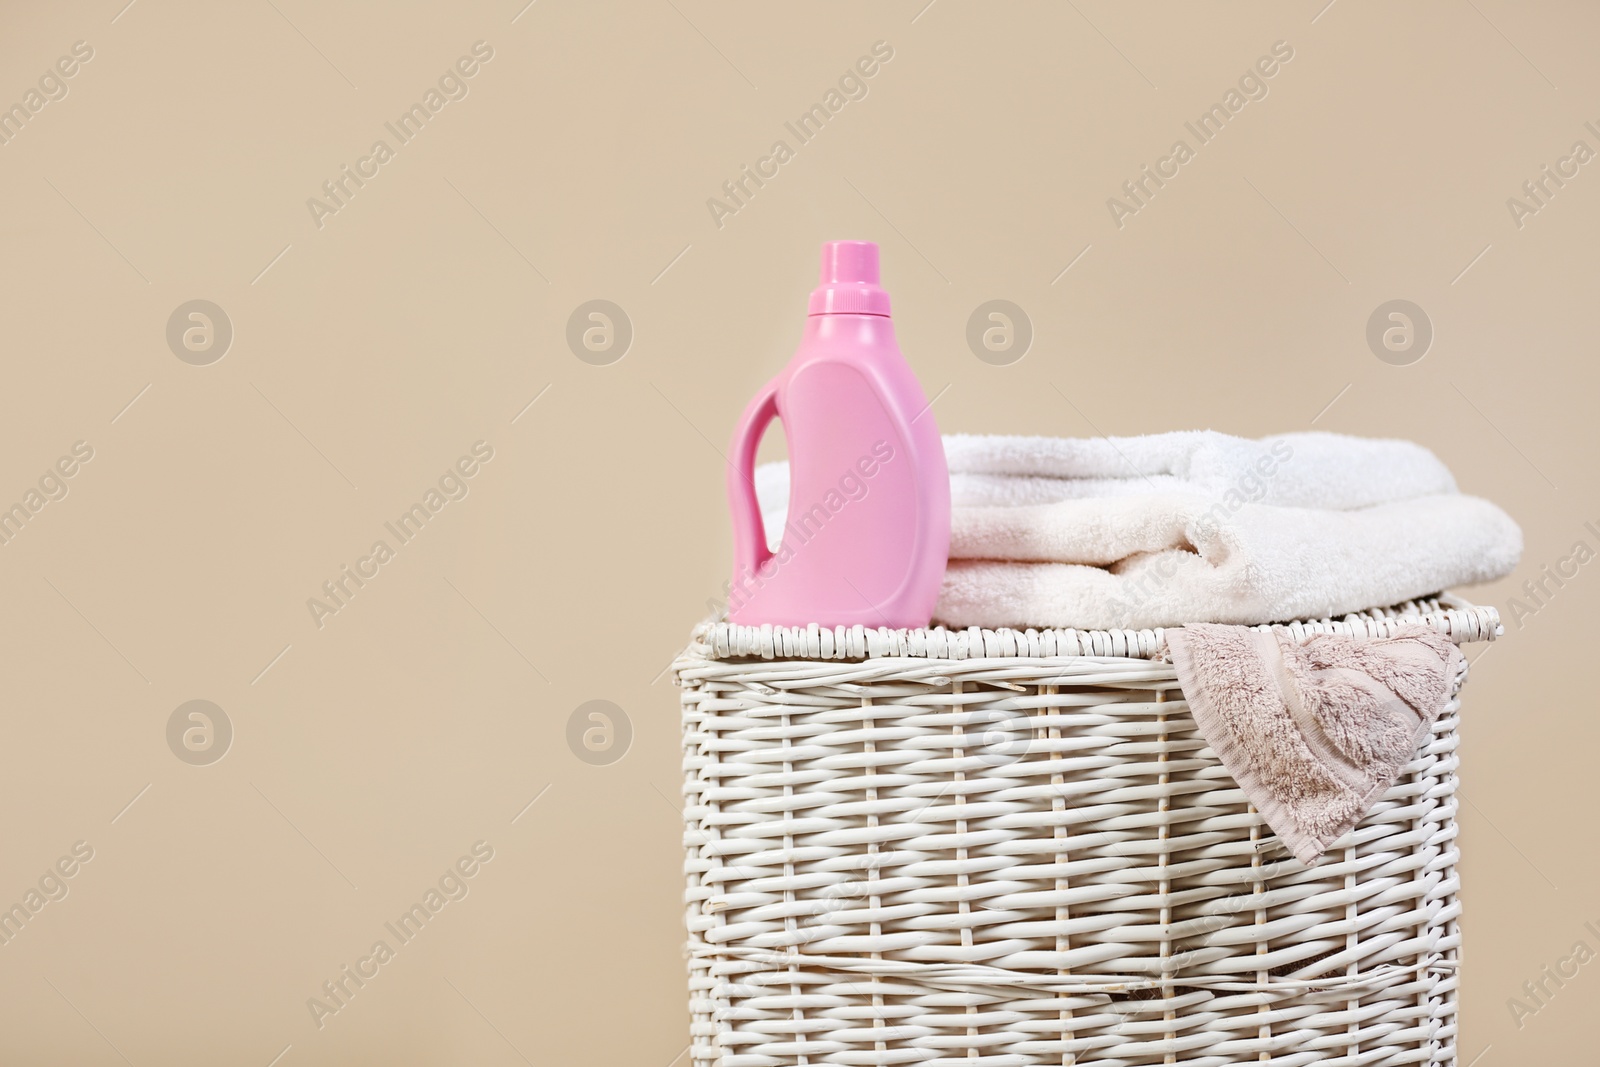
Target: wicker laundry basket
(1011, 848)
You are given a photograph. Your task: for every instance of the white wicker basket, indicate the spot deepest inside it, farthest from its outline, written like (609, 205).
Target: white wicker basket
(1013, 848)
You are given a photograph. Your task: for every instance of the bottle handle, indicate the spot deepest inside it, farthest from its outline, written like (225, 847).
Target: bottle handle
(750, 549)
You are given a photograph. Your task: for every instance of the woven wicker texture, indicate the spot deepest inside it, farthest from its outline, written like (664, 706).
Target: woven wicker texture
(955, 848)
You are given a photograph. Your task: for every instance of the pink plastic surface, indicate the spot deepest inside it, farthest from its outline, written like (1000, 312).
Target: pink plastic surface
(867, 530)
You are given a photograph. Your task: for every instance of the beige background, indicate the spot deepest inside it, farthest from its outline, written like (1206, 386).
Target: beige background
(424, 316)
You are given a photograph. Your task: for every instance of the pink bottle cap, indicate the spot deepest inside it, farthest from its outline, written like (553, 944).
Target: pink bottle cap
(849, 281)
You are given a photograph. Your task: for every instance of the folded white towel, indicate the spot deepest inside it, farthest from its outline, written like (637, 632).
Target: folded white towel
(1139, 532)
(1166, 560)
(1310, 470)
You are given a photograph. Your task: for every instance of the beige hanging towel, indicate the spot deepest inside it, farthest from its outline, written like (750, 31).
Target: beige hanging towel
(1315, 732)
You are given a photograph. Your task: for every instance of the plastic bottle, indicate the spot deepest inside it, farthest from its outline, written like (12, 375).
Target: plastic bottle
(867, 530)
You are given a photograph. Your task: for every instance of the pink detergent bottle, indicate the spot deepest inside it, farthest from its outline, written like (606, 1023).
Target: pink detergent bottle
(867, 530)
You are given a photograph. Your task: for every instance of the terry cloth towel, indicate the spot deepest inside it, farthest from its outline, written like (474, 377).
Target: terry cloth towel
(1314, 733)
(1306, 470)
(1165, 560)
(1141, 532)
(1309, 470)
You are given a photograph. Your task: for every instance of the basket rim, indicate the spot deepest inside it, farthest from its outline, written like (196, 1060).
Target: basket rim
(1456, 618)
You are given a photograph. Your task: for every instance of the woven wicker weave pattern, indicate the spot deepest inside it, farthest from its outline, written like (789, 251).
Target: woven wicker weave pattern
(1456, 619)
(1018, 859)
